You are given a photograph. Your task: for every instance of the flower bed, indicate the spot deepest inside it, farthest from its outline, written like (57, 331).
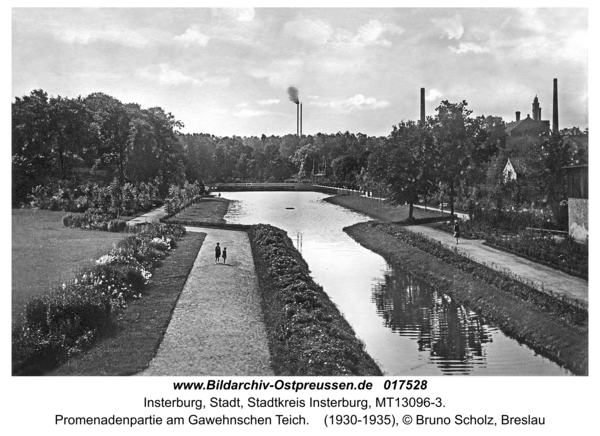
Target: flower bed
(566, 254)
(112, 200)
(563, 254)
(307, 334)
(92, 221)
(64, 321)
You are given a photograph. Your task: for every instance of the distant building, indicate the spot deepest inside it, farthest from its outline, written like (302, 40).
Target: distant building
(577, 193)
(577, 139)
(530, 127)
(513, 168)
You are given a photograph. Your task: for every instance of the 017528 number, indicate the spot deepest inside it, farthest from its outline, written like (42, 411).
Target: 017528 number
(409, 385)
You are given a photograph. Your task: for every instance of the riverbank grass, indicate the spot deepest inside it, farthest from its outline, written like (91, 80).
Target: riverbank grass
(209, 210)
(381, 210)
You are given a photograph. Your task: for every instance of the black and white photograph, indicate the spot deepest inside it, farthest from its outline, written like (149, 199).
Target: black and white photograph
(220, 193)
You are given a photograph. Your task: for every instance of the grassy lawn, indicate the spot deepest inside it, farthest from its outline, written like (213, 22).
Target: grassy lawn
(211, 210)
(379, 209)
(46, 254)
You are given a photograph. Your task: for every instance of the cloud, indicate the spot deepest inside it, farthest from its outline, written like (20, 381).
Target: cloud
(358, 102)
(371, 34)
(280, 73)
(433, 94)
(311, 31)
(192, 36)
(249, 113)
(318, 32)
(452, 26)
(466, 47)
(268, 102)
(166, 75)
(86, 36)
(244, 15)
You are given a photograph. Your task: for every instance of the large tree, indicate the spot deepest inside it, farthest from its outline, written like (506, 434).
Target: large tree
(548, 160)
(457, 138)
(405, 163)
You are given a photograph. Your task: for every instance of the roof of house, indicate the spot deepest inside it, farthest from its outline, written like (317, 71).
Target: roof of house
(509, 127)
(518, 163)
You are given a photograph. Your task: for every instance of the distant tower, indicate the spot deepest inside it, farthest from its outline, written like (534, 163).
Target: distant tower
(422, 105)
(555, 107)
(535, 109)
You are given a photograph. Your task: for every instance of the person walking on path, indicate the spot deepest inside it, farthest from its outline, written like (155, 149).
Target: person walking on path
(456, 230)
(217, 253)
(224, 255)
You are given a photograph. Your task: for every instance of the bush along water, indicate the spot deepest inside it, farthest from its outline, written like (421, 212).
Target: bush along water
(180, 197)
(71, 317)
(307, 334)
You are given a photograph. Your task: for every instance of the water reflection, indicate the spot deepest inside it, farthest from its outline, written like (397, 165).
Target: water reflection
(423, 332)
(452, 335)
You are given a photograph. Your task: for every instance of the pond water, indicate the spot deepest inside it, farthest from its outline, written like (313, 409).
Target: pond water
(407, 327)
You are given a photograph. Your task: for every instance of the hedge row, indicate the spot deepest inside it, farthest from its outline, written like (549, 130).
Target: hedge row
(68, 319)
(564, 254)
(307, 334)
(207, 224)
(90, 221)
(569, 310)
(180, 197)
(111, 200)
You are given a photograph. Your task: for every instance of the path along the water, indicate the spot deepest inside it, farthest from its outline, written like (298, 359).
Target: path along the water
(217, 326)
(546, 278)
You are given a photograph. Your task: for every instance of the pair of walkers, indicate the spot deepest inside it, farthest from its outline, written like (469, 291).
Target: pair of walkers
(219, 254)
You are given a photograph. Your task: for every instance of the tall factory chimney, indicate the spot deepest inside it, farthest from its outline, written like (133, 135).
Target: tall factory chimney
(555, 107)
(301, 120)
(297, 120)
(423, 105)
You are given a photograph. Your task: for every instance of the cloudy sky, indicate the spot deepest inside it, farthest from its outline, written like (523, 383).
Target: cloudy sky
(227, 71)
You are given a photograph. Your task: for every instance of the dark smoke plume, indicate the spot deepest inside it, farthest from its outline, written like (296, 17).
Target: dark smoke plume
(293, 93)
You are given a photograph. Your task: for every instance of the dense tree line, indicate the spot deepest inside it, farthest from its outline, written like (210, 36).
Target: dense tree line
(55, 138)
(450, 156)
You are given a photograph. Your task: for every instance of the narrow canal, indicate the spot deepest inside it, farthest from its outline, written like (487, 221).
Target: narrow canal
(408, 327)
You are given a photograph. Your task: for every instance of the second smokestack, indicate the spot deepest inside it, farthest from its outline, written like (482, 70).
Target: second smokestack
(555, 107)
(422, 105)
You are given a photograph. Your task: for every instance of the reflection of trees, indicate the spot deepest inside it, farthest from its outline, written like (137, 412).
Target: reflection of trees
(452, 334)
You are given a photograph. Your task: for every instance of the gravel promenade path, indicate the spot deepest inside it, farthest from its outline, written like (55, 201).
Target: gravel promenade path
(542, 276)
(217, 326)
